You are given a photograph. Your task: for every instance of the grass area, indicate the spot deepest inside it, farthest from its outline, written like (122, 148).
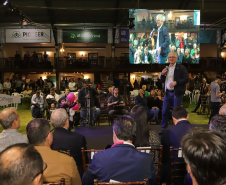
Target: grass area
(25, 117)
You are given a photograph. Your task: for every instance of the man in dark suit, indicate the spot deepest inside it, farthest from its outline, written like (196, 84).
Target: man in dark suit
(132, 51)
(146, 57)
(172, 137)
(163, 40)
(64, 140)
(175, 78)
(122, 162)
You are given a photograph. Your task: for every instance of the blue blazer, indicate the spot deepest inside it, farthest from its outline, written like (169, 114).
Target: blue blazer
(181, 77)
(172, 137)
(66, 140)
(122, 163)
(164, 41)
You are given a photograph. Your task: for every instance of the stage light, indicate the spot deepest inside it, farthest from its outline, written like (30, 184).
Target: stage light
(5, 3)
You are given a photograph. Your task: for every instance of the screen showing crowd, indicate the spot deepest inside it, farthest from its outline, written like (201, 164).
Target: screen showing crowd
(154, 33)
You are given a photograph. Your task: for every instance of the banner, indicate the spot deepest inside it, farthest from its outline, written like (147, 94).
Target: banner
(7, 99)
(28, 36)
(85, 36)
(123, 35)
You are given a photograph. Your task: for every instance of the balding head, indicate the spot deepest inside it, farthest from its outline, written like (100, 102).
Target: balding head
(59, 118)
(9, 118)
(16, 163)
(222, 110)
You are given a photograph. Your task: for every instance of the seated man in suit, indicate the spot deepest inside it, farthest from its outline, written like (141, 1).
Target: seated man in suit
(60, 165)
(63, 139)
(172, 137)
(16, 163)
(122, 162)
(146, 57)
(204, 152)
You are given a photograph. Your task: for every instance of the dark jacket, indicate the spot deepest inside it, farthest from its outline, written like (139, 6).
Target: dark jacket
(164, 41)
(172, 137)
(122, 163)
(82, 97)
(181, 77)
(150, 59)
(141, 101)
(66, 140)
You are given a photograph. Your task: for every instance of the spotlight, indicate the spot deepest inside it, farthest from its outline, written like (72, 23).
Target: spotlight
(131, 24)
(5, 3)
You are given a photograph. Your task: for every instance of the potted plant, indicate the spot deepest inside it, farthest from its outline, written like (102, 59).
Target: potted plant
(26, 102)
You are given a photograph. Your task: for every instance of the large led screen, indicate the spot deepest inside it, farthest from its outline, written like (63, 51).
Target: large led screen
(154, 33)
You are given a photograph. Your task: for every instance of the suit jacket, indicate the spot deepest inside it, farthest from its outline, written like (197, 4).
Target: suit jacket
(164, 41)
(122, 163)
(172, 137)
(59, 166)
(66, 140)
(181, 77)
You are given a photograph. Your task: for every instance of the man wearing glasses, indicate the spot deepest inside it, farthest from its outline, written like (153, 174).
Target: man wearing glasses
(174, 77)
(59, 165)
(21, 164)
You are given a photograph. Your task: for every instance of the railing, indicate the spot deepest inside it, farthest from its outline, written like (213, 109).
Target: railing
(102, 63)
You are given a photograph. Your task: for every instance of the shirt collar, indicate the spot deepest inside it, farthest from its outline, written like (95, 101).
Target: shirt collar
(10, 131)
(123, 143)
(173, 66)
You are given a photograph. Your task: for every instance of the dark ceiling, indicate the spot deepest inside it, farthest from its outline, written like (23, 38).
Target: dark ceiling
(102, 12)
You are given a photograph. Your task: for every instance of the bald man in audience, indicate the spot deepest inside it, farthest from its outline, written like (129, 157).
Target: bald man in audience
(204, 152)
(10, 121)
(60, 165)
(222, 110)
(218, 124)
(21, 164)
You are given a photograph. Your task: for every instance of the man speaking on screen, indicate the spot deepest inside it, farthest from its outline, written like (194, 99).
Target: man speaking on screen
(163, 40)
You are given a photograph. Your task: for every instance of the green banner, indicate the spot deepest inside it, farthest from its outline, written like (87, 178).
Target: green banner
(85, 36)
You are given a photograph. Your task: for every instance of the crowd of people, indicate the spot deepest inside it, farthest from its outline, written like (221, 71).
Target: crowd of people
(41, 155)
(153, 47)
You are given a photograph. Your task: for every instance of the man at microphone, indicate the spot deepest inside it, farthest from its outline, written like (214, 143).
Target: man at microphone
(174, 77)
(163, 40)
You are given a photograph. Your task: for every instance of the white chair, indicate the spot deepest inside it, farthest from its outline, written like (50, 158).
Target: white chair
(15, 104)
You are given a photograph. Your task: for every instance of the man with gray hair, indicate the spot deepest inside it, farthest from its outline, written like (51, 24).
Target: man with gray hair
(122, 162)
(163, 40)
(64, 139)
(10, 121)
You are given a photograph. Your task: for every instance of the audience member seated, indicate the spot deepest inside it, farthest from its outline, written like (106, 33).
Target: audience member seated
(179, 56)
(115, 105)
(21, 164)
(144, 137)
(53, 95)
(154, 104)
(218, 124)
(67, 92)
(7, 85)
(110, 92)
(204, 152)
(72, 85)
(172, 137)
(63, 139)
(36, 101)
(10, 121)
(144, 87)
(187, 57)
(27, 92)
(60, 165)
(122, 162)
(141, 100)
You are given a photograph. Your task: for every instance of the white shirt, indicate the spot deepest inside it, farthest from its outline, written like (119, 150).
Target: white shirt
(56, 97)
(7, 85)
(170, 77)
(71, 86)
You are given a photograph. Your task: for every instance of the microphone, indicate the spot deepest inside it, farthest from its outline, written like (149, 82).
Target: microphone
(167, 67)
(151, 34)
